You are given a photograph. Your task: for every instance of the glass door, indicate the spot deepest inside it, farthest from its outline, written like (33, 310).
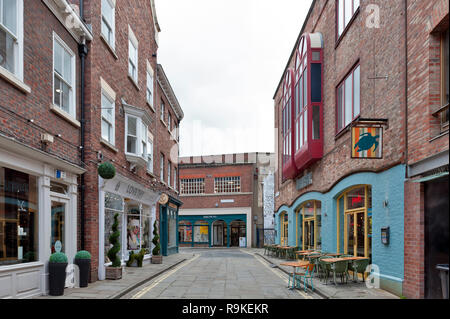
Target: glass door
(309, 233)
(58, 228)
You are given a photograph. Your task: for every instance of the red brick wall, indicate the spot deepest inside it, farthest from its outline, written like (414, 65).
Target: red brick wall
(414, 281)
(380, 51)
(202, 201)
(16, 107)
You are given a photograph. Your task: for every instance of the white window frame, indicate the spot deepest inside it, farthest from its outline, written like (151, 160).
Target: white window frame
(169, 171)
(169, 122)
(140, 126)
(18, 47)
(175, 177)
(163, 111)
(144, 140)
(227, 184)
(72, 107)
(110, 95)
(112, 27)
(192, 186)
(150, 85)
(161, 167)
(132, 41)
(112, 123)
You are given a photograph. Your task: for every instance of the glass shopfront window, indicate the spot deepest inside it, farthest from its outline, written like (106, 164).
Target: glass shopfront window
(113, 204)
(133, 228)
(311, 214)
(18, 217)
(171, 228)
(201, 232)
(185, 231)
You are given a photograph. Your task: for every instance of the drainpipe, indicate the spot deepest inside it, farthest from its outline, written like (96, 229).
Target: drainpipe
(83, 51)
(406, 90)
(82, 10)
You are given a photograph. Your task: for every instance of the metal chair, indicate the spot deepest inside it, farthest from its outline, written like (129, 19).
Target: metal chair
(359, 266)
(308, 274)
(340, 268)
(324, 268)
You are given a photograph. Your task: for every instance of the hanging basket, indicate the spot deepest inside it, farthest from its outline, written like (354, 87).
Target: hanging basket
(107, 170)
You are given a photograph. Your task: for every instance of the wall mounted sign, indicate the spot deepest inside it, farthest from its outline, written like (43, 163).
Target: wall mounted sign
(304, 181)
(163, 199)
(227, 200)
(385, 235)
(367, 142)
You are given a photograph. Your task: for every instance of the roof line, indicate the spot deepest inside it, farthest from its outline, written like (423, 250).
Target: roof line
(295, 46)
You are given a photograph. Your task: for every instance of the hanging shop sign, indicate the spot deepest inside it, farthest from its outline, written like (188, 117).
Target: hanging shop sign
(367, 142)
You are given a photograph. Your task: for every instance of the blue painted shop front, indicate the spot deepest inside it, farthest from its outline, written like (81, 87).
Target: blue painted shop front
(168, 225)
(384, 242)
(212, 230)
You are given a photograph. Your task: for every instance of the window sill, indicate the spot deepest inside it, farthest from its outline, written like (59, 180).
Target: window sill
(134, 82)
(151, 174)
(340, 37)
(66, 116)
(346, 128)
(163, 122)
(109, 47)
(136, 159)
(108, 145)
(151, 107)
(438, 136)
(14, 80)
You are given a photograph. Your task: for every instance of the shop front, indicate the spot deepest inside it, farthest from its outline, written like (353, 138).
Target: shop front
(361, 215)
(168, 217)
(136, 208)
(213, 230)
(38, 214)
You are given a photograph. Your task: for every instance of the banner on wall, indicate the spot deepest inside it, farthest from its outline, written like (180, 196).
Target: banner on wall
(367, 142)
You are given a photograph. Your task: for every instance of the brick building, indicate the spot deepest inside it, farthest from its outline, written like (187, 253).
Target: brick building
(40, 140)
(426, 187)
(340, 111)
(223, 199)
(126, 126)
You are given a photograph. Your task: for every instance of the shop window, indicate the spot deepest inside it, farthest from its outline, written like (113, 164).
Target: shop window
(108, 21)
(184, 231)
(192, 186)
(11, 36)
(284, 223)
(348, 99)
(201, 232)
(63, 76)
(345, 11)
(311, 221)
(356, 218)
(147, 235)
(230, 184)
(171, 227)
(133, 228)
(19, 217)
(113, 204)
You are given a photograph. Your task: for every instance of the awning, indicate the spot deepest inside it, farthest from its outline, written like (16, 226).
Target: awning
(429, 178)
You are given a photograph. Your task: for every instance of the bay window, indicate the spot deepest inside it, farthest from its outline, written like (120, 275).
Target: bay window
(137, 122)
(345, 11)
(289, 168)
(348, 99)
(108, 21)
(63, 76)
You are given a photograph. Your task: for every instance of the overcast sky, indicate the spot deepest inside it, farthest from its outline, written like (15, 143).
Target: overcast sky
(224, 59)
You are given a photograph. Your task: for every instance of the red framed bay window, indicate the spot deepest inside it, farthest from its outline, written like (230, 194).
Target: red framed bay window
(348, 99)
(289, 168)
(345, 10)
(308, 100)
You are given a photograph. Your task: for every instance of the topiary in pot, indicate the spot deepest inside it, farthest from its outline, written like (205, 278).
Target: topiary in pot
(83, 261)
(115, 270)
(156, 257)
(139, 258)
(106, 170)
(57, 273)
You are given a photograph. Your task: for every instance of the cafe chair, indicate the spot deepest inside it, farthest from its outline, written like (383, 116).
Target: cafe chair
(324, 268)
(359, 266)
(308, 274)
(340, 268)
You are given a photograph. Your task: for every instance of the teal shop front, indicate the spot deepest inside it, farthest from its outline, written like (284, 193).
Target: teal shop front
(213, 230)
(362, 215)
(168, 221)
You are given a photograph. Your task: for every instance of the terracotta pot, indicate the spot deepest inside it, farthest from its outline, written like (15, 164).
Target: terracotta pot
(156, 259)
(113, 273)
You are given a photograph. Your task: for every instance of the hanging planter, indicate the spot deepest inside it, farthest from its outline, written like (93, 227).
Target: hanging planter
(107, 170)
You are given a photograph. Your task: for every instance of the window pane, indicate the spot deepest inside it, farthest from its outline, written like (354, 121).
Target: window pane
(107, 108)
(348, 11)
(301, 130)
(57, 91)
(58, 58)
(106, 131)
(340, 108)
(305, 88)
(133, 229)
(300, 104)
(348, 100)
(355, 5)
(356, 198)
(19, 217)
(10, 15)
(58, 211)
(446, 69)
(109, 221)
(7, 59)
(132, 126)
(316, 122)
(305, 120)
(341, 17)
(108, 12)
(67, 67)
(66, 98)
(356, 92)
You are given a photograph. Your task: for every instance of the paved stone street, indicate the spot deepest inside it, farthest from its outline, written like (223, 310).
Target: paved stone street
(218, 274)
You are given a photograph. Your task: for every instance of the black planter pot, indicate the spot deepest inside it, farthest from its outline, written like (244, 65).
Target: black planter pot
(57, 278)
(85, 267)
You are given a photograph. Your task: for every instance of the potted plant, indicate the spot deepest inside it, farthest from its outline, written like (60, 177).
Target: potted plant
(156, 257)
(57, 273)
(114, 271)
(83, 261)
(136, 259)
(106, 170)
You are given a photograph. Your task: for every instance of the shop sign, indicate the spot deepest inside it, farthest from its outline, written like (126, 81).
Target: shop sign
(367, 142)
(304, 181)
(163, 199)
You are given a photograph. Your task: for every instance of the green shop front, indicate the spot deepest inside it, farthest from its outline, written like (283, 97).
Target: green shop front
(213, 230)
(168, 221)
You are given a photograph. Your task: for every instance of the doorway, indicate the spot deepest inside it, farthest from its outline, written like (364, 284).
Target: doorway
(219, 234)
(238, 231)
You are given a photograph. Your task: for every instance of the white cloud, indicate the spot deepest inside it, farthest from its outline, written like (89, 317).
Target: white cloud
(224, 59)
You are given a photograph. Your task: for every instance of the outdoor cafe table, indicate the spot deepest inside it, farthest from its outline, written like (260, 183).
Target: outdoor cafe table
(295, 264)
(285, 248)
